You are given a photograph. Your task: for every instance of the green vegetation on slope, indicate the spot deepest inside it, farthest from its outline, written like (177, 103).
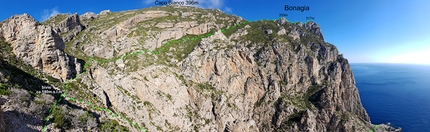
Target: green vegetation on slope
(108, 20)
(233, 29)
(112, 126)
(84, 117)
(168, 54)
(4, 90)
(59, 117)
(56, 19)
(258, 32)
(205, 86)
(71, 50)
(300, 100)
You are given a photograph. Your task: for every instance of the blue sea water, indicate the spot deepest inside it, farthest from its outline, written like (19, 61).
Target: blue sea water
(395, 93)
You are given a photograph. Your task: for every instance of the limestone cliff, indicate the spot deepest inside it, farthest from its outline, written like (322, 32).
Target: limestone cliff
(39, 46)
(236, 76)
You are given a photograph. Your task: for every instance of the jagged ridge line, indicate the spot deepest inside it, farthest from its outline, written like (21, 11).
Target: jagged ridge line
(125, 55)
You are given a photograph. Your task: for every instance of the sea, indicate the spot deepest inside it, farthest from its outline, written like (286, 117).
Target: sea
(398, 94)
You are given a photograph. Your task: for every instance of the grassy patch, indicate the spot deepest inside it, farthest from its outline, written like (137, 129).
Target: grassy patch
(260, 101)
(283, 83)
(112, 125)
(108, 20)
(84, 117)
(76, 52)
(162, 55)
(205, 86)
(4, 89)
(257, 33)
(169, 97)
(216, 94)
(59, 117)
(39, 102)
(124, 91)
(52, 80)
(301, 100)
(55, 20)
(182, 47)
(181, 77)
(345, 116)
(147, 103)
(233, 29)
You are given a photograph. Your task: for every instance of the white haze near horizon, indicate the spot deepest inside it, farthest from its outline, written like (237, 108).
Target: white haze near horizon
(414, 57)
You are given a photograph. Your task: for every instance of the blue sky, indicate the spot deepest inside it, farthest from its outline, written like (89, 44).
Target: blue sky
(365, 31)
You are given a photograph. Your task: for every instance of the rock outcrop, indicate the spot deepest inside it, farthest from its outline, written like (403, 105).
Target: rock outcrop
(104, 12)
(39, 46)
(314, 28)
(89, 16)
(70, 27)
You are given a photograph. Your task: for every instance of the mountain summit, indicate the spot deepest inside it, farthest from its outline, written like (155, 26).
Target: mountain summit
(174, 68)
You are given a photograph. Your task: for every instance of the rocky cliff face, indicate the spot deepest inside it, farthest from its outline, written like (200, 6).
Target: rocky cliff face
(317, 77)
(244, 76)
(39, 46)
